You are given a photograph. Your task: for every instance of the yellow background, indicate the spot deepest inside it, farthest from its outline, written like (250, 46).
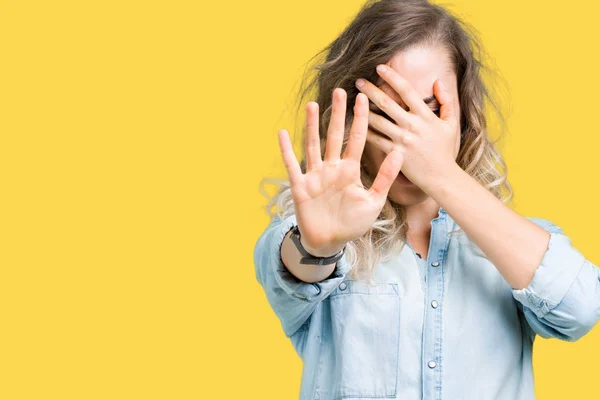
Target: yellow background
(133, 138)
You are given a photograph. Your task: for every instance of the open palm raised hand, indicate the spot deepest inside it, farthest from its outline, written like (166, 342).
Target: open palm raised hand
(332, 206)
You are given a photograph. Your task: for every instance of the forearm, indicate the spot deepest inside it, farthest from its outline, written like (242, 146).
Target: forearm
(514, 244)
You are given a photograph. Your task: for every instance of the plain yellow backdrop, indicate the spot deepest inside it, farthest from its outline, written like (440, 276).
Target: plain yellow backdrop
(133, 138)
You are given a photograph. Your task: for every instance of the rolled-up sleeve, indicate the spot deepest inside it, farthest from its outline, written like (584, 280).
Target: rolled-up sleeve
(292, 299)
(563, 299)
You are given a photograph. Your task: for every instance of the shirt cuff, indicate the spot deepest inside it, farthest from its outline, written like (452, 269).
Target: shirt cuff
(306, 291)
(554, 276)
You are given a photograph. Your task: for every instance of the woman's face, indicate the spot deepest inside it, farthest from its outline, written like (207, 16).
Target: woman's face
(420, 66)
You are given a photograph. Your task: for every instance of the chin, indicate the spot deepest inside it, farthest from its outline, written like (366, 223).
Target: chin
(406, 195)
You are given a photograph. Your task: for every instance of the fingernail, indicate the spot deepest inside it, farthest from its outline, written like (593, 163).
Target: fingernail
(381, 68)
(360, 82)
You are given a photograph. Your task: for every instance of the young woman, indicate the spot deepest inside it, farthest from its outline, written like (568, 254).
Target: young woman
(452, 315)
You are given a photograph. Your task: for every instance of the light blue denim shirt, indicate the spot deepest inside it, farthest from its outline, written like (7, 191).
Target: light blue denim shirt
(449, 327)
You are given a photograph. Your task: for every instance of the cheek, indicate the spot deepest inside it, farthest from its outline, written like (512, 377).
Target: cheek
(457, 149)
(376, 156)
(372, 157)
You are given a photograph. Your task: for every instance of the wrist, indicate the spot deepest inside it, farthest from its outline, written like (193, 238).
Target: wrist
(323, 251)
(440, 183)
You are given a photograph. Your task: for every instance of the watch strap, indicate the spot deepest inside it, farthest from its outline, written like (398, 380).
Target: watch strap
(309, 258)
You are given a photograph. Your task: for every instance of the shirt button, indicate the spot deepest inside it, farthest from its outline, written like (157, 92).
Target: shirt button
(342, 285)
(434, 304)
(431, 364)
(435, 264)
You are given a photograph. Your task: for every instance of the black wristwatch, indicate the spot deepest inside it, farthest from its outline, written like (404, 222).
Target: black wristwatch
(309, 258)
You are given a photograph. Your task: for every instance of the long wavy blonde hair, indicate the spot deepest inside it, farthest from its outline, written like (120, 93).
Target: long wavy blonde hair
(380, 30)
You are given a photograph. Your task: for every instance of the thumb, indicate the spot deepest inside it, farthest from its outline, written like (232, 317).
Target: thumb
(388, 171)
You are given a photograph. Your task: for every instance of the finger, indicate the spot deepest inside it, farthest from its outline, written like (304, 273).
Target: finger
(385, 127)
(382, 101)
(358, 130)
(404, 89)
(335, 132)
(388, 171)
(380, 141)
(446, 99)
(312, 145)
(289, 158)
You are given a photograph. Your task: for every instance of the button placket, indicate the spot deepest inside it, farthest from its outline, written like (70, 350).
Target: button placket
(432, 335)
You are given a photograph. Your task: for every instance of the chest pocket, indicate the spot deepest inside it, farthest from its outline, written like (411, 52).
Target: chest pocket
(365, 335)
